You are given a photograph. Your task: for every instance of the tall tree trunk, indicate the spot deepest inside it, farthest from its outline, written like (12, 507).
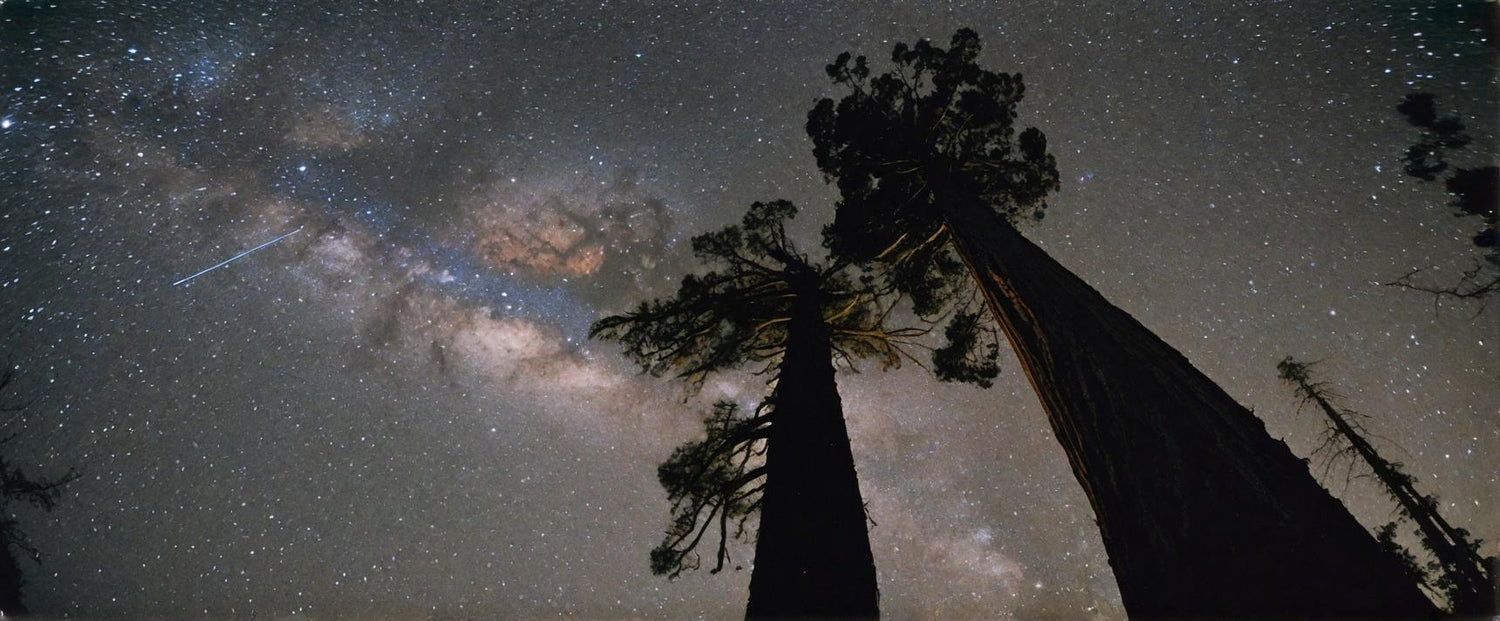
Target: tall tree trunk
(1201, 511)
(812, 553)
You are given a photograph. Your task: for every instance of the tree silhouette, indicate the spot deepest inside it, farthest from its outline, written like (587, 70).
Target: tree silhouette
(715, 481)
(790, 460)
(1458, 572)
(1475, 192)
(16, 485)
(1201, 511)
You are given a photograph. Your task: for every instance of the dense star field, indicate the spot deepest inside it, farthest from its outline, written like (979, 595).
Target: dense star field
(395, 411)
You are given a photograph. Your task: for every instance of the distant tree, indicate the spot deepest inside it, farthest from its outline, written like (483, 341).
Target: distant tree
(1201, 511)
(1457, 571)
(790, 460)
(1475, 193)
(17, 486)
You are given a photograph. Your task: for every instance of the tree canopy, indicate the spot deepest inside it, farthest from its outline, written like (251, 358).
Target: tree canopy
(935, 119)
(904, 142)
(738, 312)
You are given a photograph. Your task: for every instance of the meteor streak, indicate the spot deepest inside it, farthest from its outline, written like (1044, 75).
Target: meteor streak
(238, 256)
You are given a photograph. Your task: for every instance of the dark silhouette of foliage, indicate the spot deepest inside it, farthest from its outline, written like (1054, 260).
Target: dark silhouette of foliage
(961, 359)
(1426, 159)
(718, 480)
(1457, 571)
(17, 486)
(1386, 535)
(935, 118)
(1202, 512)
(1475, 192)
(739, 313)
(936, 115)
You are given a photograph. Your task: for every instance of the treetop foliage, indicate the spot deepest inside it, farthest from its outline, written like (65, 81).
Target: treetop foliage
(901, 143)
(739, 312)
(904, 146)
(935, 116)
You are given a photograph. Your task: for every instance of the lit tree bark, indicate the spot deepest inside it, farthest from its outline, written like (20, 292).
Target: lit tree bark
(812, 552)
(1201, 511)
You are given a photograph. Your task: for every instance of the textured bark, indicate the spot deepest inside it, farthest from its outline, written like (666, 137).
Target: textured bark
(812, 553)
(1203, 514)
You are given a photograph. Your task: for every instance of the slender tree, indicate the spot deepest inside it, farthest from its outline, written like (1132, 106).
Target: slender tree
(790, 460)
(1201, 511)
(1457, 571)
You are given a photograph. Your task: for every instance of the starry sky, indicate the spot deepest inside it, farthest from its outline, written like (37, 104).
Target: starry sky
(396, 413)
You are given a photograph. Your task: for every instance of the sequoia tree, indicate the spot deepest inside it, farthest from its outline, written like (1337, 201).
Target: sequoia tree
(1201, 511)
(790, 460)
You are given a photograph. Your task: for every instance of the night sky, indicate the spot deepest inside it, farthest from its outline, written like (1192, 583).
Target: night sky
(395, 412)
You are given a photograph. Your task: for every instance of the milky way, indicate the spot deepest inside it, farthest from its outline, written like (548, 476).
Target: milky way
(397, 412)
